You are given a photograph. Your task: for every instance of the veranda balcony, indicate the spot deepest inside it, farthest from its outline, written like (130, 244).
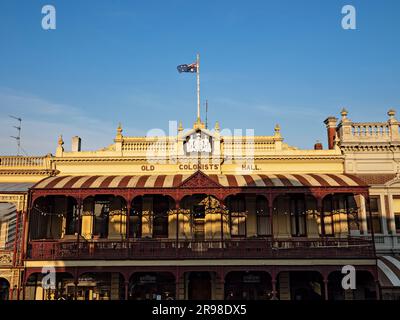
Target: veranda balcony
(151, 249)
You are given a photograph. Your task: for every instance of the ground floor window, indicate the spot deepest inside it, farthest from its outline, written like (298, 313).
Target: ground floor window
(248, 286)
(152, 286)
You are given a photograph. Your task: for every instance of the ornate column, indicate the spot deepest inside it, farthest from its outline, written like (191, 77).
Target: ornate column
(76, 282)
(326, 282)
(128, 216)
(383, 214)
(274, 292)
(79, 222)
(271, 213)
(126, 290)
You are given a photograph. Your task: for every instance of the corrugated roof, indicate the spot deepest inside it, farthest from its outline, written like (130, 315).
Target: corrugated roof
(15, 187)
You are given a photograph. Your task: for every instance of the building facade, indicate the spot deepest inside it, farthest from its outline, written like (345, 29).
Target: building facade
(372, 152)
(198, 214)
(17, 175)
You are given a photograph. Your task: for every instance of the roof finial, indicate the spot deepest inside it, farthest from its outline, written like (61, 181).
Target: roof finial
(180, 127)
(344, 113)
(277, 130)
(391, 113)
(60, 140)
(119, 131)
(216, 128)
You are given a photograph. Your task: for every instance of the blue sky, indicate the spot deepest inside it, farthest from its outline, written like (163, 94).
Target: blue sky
(262, 63)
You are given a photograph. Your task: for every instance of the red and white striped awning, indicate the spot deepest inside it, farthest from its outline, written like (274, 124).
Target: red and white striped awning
(389, 270)
(174, 181)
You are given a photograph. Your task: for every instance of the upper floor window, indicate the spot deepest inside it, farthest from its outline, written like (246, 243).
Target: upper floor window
(298, 217)
(160, 217)
(375, 216)
(396, 206)
(237, 211)
(101, 217)
(263, 217)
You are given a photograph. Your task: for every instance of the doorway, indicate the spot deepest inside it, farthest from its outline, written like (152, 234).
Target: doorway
(199, 286)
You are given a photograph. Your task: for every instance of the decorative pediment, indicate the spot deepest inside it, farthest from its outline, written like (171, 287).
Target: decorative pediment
(199, 179)
(393, 183)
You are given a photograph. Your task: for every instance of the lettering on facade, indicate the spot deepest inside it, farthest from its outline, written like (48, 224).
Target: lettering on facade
(250, 167)
(185, 167)
(204, 167)
(147, 168)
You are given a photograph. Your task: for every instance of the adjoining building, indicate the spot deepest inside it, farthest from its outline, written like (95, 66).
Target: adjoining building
(198, 215)
(372, 152)
(17, 175)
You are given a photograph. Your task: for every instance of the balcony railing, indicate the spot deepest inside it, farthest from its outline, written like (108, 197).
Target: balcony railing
(7, 162)
(207, 249)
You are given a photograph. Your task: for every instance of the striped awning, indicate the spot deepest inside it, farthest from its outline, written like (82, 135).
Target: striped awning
(174, 181)
(389, 271)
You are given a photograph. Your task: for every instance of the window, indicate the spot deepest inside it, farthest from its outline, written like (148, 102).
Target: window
(135, 218)
(160, 217)
(397, 221)
(199, 211)
(396, 209)
(71, 219)
(237, 210)
(326, 220)
(263, 217)
(298, 217)
(100, 219)
(376, 219)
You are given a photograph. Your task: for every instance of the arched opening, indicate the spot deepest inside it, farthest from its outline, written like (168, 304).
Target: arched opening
(135, 218)
(57, 290)
(203, 217)
(103, 217)
(199, 286)
(4, 289)
(301, 285)
(236, 205)
(152, 286)
(365, 288)
(99, 286)
(339, 215)
(291, 213)
(263, 217)
(53, 217)
(161, 207)
(254, 285)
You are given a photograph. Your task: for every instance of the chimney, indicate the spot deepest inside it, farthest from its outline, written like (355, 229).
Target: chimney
(330, 123)
(76, 144)
(318, 146)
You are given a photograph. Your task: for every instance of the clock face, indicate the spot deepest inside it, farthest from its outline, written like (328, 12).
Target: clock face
(199, 142)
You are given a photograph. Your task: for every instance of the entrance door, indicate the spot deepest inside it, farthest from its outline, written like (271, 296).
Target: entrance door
(4, 289)
(199, 286)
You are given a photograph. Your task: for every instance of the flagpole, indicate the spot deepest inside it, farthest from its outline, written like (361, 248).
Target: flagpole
(198, 88)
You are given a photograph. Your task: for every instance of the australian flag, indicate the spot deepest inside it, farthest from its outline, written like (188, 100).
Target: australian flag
(187, 68)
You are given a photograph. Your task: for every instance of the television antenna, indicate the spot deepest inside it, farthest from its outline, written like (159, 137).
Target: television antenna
(18, 137)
